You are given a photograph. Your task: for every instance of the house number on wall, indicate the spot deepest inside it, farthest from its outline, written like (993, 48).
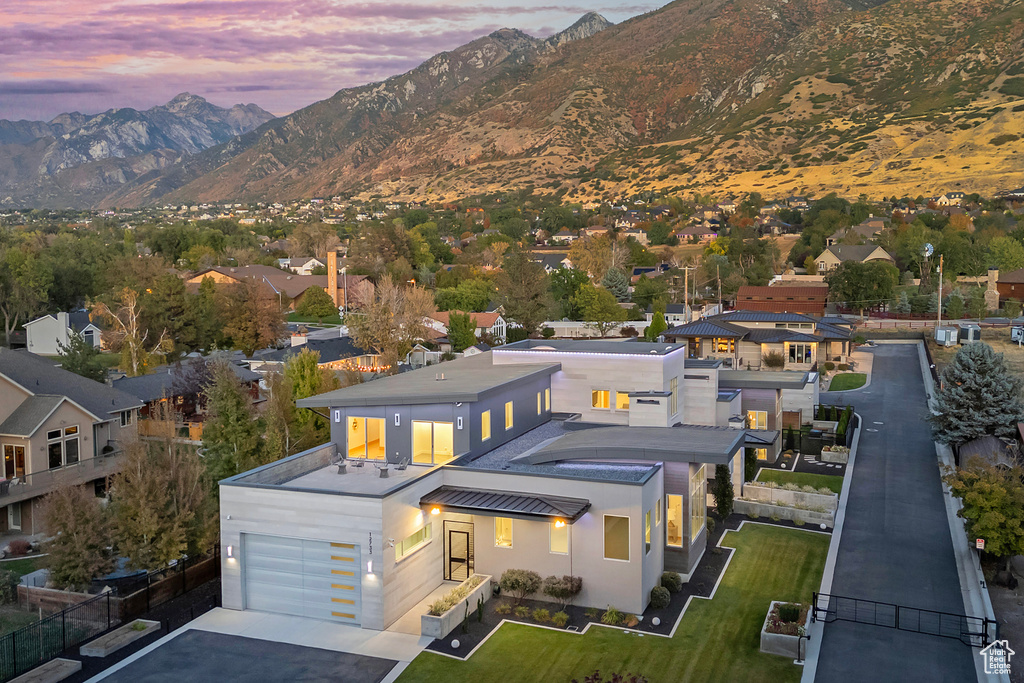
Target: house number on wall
(371, 543)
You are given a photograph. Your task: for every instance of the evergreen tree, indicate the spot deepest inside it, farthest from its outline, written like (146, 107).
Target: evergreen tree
(79, 548)
(616, 282)
(316, 303)
(657, 326)
(203, 328)
(1011, 309)
(306, 378)
(722, 491)
(232, 434)
(978, 396)
(954, 308)
(902, 306)
(976, 306)
(81, 358)
(461, 331)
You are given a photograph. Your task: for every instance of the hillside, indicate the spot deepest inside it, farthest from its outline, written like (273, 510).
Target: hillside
(80, 158)
(783, 96)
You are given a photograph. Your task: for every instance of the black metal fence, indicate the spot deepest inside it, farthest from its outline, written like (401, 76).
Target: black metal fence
(811, 441)
(973, 631)
(42, 641)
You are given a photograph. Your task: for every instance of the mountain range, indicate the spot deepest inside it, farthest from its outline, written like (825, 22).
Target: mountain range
(76, 159)
(721, 96)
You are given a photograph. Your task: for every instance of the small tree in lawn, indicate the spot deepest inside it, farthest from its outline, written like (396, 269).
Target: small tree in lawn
(79, 547)
(81, 358)
(722, 491)
(519, 583)
(978, 396)
(316, 303)
(461, 331)
(993, 505)
(657, 326)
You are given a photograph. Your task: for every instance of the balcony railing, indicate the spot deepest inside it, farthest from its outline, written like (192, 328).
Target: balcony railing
(40, 483)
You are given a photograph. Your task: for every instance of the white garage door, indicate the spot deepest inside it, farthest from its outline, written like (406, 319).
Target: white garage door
(305, 578)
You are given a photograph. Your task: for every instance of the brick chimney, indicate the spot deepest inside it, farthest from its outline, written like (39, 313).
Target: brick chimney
(993, 278)
(332, 275)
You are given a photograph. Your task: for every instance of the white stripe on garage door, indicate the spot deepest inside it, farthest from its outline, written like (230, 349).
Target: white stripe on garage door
(300, 577)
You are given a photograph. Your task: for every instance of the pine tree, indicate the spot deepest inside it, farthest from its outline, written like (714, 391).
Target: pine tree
(954, 308)
(902, 306)
(616, 282)
(232, 434)
(722, 491)
(657, 326)
(81, 358)
(79, 548)
(979, 396)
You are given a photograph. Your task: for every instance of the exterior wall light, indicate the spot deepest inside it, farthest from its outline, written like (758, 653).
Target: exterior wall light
(231, 552)
(559, 523)
(435, 510)
(369, 566)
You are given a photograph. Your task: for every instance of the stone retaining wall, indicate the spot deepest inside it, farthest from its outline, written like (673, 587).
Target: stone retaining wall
(811, 517)
(758, 491)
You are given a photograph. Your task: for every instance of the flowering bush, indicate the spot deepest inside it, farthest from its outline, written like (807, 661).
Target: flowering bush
(787, 628)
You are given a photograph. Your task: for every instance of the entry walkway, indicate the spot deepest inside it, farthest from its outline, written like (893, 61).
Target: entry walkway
(410, 621)
(896, 545)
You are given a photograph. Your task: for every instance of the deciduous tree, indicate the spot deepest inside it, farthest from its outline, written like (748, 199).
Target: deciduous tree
(863, 285)
(25, 280)
(461, 331)
(992, 498)
(316, 303)
(80, 537)
(390, 320)
(252, 316)
(599, 309)
(128, 334)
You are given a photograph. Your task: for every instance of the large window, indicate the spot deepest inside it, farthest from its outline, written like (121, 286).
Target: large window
(621, 400)
(600, 398)
(485, 425)
(674, 516)
(647, 531)
(724, 345)
(14, 461)
(800, 353)
(412, 543)
(509, 415)
(698, 504)
(547, 399)
(432, 442)
(616, 538)
(62, 446)
(503, 532)
(539, 409)
(366, 438)
(673, 400)
(762, 453)
(559, 538)
(757, 419)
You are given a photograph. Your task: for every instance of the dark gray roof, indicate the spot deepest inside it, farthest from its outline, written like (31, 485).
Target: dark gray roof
(688, 443)
(465, 379)
(38, 375)
(762, 317)
(79, 320)
(705, 363)
(160, 384)
(506, 503)
(747, 379)
(330, 350)
(632, 348)
(706, 328)
(727, 395)
(759, 438)
(854, 252)
(27, 417)
(828, 331)
(769, 336)
(836, 320)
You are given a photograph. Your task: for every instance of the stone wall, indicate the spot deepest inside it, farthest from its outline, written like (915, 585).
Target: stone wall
(753, 490)
(744, 507)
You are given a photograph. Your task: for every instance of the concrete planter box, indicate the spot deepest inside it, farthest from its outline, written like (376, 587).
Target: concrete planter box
(118, 638)
(440, 626)
(777, 643)
(826, 426)
(755, 491)
(829, 456)
(795, 514)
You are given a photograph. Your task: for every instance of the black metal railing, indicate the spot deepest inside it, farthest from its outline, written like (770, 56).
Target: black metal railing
(972, 631)
(40, 642)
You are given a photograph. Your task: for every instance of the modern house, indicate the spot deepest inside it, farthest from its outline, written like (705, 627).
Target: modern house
(590, 458)
(743, 338)
(796, 299)
(860, 253)
(56, 428)
(45, 334)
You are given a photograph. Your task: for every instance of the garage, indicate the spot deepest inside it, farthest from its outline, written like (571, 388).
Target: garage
(301, 577)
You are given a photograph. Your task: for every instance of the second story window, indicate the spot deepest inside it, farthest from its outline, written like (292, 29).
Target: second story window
(62, 446)
(485, 425)
(366, 438)
(433, 443)
(126, 418)
(600, 398)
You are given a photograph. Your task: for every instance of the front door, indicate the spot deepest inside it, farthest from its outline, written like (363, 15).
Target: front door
(458, 550)
(14, 516)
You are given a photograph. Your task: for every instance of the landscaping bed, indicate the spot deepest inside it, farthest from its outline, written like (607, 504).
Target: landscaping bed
(781, 632)
(831, 482)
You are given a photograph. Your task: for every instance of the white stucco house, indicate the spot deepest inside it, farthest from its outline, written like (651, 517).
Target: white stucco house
(44, 333)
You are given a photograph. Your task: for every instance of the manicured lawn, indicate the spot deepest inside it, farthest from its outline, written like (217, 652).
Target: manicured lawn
(717, 639)
(21, 567)
(12, 618)
(329, 320)
(847, 381)
(803, 479)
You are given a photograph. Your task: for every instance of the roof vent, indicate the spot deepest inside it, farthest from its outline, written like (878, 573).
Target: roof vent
(653, 351)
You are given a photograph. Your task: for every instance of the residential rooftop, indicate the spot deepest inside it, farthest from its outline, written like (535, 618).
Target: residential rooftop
(628, 347)
(765, 379)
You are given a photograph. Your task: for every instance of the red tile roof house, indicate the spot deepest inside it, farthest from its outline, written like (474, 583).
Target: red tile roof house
(810, 300)
(486, 323)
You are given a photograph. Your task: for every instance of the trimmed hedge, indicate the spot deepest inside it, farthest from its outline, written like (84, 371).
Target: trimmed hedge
(660, 597)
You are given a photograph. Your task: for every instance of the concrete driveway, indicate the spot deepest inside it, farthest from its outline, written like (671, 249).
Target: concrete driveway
(896, 545)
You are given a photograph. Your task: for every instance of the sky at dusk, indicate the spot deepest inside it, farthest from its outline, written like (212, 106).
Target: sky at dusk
(92, 55)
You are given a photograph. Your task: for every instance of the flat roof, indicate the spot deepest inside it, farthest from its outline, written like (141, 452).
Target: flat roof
(626, 347)
(365, 480)
(464, 379)
(763, 379)
(687, 443)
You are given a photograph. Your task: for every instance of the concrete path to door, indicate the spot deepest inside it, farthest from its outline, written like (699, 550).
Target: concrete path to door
(294, 631)
(896, 545)
(410, 621)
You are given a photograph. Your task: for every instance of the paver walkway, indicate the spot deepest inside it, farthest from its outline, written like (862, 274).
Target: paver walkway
(896, 544)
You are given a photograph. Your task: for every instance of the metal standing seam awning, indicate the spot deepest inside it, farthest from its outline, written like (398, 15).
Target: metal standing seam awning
(760, 438)
(506, 504)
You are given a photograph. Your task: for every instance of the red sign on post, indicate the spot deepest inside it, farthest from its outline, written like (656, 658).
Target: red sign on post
(979, 544)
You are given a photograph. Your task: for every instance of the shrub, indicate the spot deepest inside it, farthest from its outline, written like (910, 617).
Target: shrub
(629, 331)
(829, 366)
(776, 518)
(559, 619)
(774, 360)
(19, 547)
(454, 596)
(672, 581)
(503, 608)
(522, 611)
(596, 677)
(710, 524)
(563, 590)
(789, 612)
(547, 332)
(440, 606)
(752, 515)
(541, 615)
(612, 617)
(519, 583)
(843, 367)
(592, 613)
(799, 522)
(660, 597)
(8, 587)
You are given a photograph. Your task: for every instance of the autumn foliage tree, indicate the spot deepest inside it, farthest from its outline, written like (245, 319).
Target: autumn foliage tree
(391, 318)
(139, 346)
(252, 316)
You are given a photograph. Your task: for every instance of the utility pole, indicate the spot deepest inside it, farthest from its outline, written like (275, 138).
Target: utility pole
(939, 294)
(686, 289)
(718, 272)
